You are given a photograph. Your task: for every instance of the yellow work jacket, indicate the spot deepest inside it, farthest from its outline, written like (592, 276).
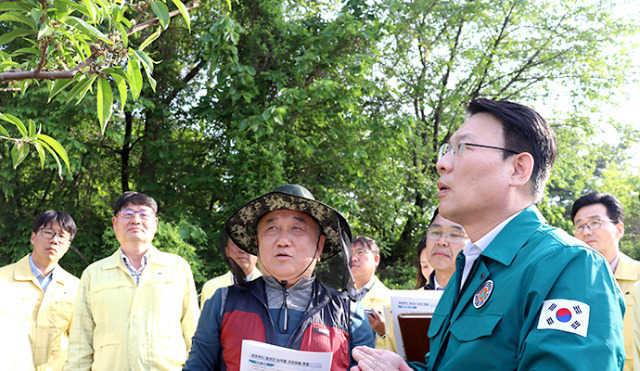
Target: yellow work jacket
(46, 316)
(211, 286)
(627, 274)
(120, 326)
(377, 298)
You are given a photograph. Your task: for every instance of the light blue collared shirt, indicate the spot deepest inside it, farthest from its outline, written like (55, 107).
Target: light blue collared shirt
(135, 273)
(42, 280)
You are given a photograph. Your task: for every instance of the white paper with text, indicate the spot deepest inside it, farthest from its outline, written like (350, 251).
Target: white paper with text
(257, 356)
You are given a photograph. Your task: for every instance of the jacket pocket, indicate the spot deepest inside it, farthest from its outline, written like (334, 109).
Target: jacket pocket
(61, 313)
(436, 324)
(470, 327)
(168, 351)
(109, 352)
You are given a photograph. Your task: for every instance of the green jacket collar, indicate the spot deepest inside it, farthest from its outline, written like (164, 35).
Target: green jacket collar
(514, 235)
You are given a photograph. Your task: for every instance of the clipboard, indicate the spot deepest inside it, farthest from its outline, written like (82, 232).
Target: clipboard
(413, 329)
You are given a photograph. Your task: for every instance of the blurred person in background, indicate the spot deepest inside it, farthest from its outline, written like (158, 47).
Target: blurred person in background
(424, 268)
(598, 221)
(369, 290)
(242, 268)
(445, 239)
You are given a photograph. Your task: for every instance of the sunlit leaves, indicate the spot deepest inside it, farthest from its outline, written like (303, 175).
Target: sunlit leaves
(83, 46)
(104, 103)
(162, 12)
(30, 136)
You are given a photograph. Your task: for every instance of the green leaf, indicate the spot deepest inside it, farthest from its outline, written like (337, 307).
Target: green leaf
(185, 13)
(24, 85)
(79, 50)
(9, 36)
(15, 5)
(121, 78)
(147, 63)
(162, 12)
(33, 51)
(104, 103)
(81, 88)
(41, 153)
(45, 30)
(55, 149)
(58, 86)
(53, 154)
(32, 128)
(135, 77)
(88, 29)
(15, 121)
(17, 17)
(4, 131)
(123, 34)
(117, 12)
(18, 153)
(74, 5)
(35, 14)
(150, 39)
(122, 89)
(91, 10)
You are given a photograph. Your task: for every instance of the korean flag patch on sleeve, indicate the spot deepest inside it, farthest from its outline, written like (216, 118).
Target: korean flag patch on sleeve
(565, 315)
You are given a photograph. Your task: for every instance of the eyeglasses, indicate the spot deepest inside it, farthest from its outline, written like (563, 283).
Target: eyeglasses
(456, 148)
(361, 252)
(143, 214)
(453, 237)
(49, 235)
(593, 225)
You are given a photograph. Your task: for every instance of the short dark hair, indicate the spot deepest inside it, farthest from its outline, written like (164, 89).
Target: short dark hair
(135, 198)
(524, 130)
(615, 212)
(63, 219)
(367, 242)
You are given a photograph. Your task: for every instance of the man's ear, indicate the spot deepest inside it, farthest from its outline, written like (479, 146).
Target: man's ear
(320, 247)
(376, 259)
(522, 168)
(619, 230)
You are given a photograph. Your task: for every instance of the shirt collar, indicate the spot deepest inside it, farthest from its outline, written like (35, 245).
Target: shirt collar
(126, 261)
(614, 263)
(36, 271)
(436, 285)
(361, 292)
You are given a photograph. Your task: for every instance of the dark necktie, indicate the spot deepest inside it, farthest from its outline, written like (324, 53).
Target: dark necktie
(460, 261)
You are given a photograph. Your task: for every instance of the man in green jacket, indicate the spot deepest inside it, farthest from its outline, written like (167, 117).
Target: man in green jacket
(525, 295)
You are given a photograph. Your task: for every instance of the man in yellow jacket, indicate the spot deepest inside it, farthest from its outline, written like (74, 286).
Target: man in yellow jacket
(42, 293)
(598, 221)
(369, 290)
(137, 309)
(242, 268)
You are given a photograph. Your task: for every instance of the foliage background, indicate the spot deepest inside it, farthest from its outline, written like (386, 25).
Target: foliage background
(350, 99)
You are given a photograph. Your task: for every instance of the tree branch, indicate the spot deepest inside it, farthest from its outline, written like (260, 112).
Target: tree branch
(18, 75)
(49, 75)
